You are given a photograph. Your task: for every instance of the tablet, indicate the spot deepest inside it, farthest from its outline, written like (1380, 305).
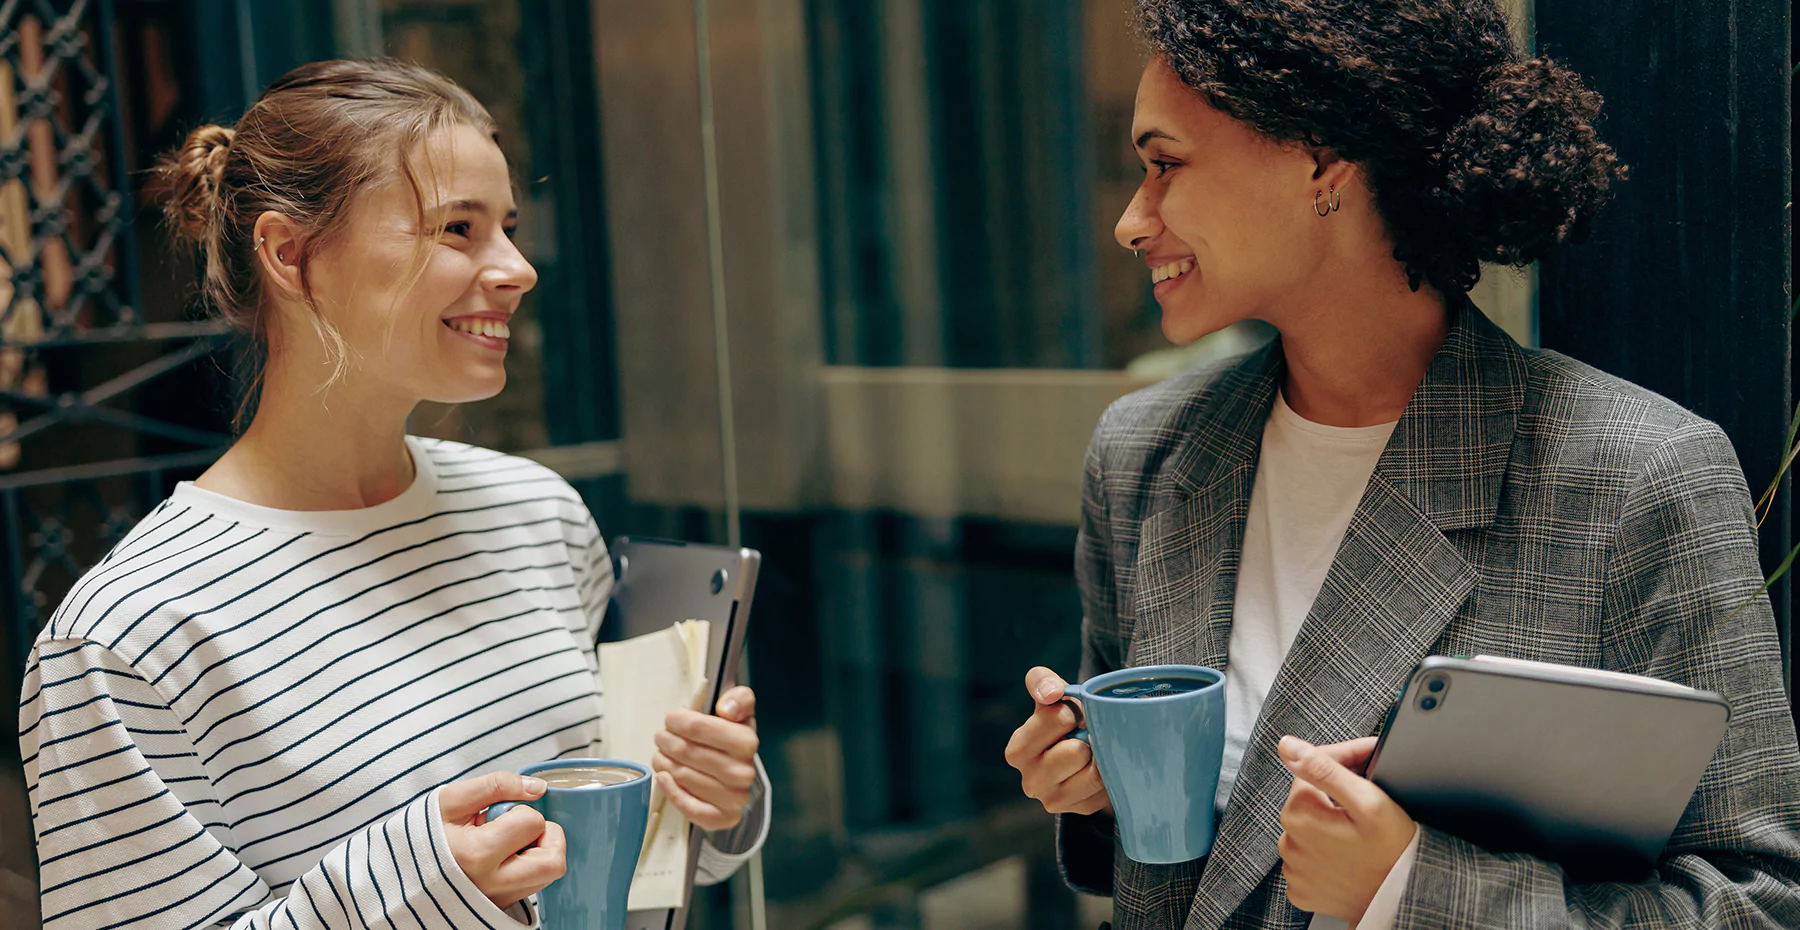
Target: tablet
(1586, 768)
(660, 582)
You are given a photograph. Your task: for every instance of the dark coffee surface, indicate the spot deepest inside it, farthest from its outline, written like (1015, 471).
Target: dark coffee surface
(587, 776)
(1154, 688)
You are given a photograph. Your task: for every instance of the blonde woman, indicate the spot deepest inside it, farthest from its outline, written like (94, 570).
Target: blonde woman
(287, 697)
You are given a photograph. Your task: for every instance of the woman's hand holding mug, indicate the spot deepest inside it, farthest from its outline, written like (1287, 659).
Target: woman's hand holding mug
(1057, 771)
(518, 854)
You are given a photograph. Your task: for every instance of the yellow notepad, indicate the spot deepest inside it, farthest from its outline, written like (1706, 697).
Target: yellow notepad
(644, 678)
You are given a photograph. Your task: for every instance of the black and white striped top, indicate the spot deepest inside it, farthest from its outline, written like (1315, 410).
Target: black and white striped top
(240, 716)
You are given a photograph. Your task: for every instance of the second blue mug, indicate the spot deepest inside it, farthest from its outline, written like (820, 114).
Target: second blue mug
(1158, 736)
(604, 825)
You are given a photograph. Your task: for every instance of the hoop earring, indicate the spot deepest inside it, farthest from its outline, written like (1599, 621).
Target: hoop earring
(1330, 204)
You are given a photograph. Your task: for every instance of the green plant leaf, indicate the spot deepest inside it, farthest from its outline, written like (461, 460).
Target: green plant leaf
(1774, 576)
(1787, 461)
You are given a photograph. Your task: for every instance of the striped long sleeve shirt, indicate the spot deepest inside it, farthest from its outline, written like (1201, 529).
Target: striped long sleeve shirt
(241, 716)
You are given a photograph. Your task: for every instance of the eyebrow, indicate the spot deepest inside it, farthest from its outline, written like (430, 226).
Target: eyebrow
(469, 206)
(1149, 134)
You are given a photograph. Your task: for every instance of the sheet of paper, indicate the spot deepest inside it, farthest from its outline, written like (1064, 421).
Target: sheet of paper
(646, 677)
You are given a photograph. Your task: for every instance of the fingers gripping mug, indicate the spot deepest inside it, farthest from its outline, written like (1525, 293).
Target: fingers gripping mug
(1158, 736)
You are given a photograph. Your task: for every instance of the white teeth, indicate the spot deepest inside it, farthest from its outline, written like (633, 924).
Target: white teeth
(1163, 273)
(492, 328)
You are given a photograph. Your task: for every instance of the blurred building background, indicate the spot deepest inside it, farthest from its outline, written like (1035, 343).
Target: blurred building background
(900, 251)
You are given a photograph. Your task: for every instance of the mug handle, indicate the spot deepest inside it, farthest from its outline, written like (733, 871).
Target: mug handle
(1080, 732)
(494, 812)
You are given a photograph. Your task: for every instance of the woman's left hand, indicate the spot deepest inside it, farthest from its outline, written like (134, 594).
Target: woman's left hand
(1341, 834)
(705, 764)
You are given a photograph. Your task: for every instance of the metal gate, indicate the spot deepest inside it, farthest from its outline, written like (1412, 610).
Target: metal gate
(79, 466)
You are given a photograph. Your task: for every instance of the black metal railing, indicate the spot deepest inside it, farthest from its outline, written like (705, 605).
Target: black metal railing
(74, 347)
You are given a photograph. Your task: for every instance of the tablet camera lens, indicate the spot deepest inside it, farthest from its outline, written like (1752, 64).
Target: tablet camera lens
(1429, 703)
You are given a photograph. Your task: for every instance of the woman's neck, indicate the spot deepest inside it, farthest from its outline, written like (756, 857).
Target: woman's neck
(1357, 358)
(337, 449)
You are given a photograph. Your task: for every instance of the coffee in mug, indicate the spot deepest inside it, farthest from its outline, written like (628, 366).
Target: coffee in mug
(1153, 688)
(585, 776)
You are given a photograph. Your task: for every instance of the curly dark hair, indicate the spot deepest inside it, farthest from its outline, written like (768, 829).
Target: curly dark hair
(1472, 153)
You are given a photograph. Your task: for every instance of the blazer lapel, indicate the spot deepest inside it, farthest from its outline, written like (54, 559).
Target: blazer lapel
(1395, 584)
(1398, 579)
(1188, 554)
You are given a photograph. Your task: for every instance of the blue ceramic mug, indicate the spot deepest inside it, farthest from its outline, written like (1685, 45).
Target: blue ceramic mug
(604, 827)
(1158, 735)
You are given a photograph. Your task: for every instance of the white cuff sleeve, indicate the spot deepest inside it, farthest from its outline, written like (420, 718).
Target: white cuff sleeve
(715, 866)
(1386, 904)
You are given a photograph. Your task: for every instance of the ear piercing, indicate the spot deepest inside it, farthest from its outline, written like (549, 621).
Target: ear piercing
(1330, 205)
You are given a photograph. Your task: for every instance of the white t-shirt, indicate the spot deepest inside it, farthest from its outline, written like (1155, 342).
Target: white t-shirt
(1308, 482)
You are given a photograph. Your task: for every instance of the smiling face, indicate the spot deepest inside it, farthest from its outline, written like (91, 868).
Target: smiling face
(424, 306)
(1224, 215)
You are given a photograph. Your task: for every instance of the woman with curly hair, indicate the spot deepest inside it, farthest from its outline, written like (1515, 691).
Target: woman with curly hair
(1393, 478)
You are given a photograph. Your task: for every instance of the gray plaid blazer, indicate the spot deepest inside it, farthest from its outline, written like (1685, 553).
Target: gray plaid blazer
(1528, 506)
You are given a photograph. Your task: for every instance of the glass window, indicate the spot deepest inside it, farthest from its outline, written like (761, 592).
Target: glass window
(835, 279)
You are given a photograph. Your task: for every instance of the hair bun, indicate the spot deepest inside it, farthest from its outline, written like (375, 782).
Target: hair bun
(1526, 171)
(192, 179)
